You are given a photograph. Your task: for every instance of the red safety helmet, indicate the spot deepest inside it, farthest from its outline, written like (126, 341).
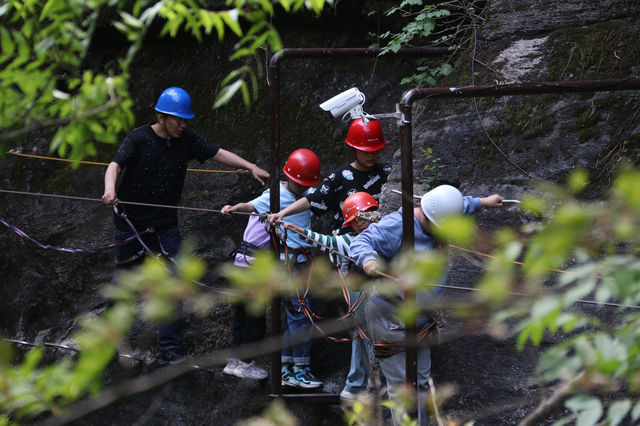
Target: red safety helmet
(365, 136)
(303, 167)
(358, 202)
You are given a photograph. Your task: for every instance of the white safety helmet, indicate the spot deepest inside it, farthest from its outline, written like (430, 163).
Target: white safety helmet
(441, 201)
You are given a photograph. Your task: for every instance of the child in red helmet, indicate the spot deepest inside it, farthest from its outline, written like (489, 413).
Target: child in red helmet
(303, 171)
(352, 208)
(363, 174)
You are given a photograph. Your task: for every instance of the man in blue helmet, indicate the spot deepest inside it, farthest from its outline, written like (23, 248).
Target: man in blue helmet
(154, 158)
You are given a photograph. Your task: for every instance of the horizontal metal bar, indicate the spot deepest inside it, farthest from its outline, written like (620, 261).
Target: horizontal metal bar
(521, 89)
(315, 398)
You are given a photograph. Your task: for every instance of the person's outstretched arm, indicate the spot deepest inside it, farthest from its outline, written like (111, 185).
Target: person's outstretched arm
(240, 207)
(296, 207)
(492, 201)
(234, 160)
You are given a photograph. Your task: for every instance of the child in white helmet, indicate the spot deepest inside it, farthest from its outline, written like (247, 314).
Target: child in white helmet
(384, 240)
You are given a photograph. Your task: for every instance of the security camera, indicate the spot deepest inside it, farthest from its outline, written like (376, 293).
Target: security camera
(349, 101)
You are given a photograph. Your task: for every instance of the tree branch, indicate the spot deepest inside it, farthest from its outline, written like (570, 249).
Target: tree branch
(58, 121)
(553, 403)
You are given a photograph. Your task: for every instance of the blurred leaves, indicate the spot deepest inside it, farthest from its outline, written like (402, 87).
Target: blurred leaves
(585, 250)
(46, 85)
(153, 291)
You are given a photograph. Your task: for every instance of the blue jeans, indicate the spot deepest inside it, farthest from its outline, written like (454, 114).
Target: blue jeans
(358, 377)
(164, 240)
(297, 326)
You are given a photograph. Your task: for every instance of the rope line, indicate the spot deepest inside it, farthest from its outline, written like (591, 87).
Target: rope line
(133, 203)
(470, 289)
(330, 249)
(23, 234)
(96, 163)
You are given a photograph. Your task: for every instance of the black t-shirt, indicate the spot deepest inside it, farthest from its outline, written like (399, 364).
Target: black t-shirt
(154, 171)
(329, 195)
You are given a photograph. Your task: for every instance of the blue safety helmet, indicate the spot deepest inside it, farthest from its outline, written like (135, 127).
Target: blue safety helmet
(175, 101)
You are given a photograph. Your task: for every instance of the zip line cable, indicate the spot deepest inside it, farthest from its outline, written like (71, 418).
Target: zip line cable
(95, 163)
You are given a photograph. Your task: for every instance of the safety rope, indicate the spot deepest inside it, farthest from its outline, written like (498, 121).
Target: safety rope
(18, 152)
(582, 301)
(382, 349)
(470, 289)
(133, 203)
(23, 234)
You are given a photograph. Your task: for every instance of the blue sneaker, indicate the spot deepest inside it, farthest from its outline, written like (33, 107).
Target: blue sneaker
(303, 378)
(286, 377)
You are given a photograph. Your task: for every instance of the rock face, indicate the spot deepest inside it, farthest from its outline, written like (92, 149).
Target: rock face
(532, 138)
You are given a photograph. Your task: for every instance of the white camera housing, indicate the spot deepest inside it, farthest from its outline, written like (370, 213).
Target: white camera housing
(349, 101)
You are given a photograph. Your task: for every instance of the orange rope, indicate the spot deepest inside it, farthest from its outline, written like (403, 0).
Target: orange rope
(42, 157)
(493, 257)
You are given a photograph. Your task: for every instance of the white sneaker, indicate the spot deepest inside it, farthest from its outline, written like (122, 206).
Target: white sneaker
(231, 367)
(250, 371)
(347, 395)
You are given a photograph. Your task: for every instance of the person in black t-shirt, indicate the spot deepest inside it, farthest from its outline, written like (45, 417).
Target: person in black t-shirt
(363, 174)
(154, 159)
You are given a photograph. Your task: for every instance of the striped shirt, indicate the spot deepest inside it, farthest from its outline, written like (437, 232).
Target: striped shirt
(340, 243)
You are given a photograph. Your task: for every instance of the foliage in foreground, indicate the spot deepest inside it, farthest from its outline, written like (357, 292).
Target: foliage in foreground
(593, 368)
(45, 84)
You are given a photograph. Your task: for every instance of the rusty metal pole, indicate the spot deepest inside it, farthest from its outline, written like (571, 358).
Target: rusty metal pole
(274, 205)
(520, 89)
(408, 236)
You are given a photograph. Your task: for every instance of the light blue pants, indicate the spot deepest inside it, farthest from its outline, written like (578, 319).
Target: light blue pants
(358, 377)
(384, 328)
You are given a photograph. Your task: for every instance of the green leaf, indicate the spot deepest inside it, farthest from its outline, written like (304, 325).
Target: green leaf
(458, 229)
(577, 180)
(227, 93)
(591, 416)
(635, 413)
(231, 19)
(617, 411)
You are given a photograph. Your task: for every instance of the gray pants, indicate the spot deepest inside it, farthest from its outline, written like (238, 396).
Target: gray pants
(385, 329)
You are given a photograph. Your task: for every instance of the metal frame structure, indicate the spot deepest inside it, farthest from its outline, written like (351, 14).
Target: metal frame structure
(404, 116)
(275, 165)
